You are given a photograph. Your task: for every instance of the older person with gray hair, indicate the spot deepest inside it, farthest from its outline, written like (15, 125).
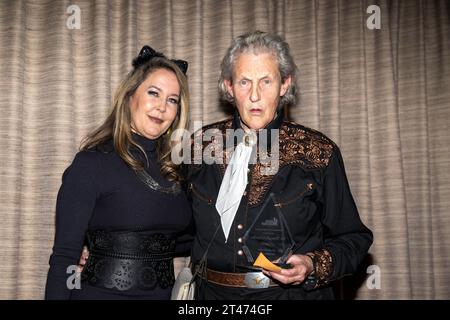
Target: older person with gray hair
(274, 215)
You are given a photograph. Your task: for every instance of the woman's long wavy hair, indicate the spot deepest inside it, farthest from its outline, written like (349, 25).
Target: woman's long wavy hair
(117, 126)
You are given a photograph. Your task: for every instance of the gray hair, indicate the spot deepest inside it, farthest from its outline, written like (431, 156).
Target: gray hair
(256, 42)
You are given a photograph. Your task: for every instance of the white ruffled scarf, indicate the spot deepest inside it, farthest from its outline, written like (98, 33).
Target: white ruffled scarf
(234, 182)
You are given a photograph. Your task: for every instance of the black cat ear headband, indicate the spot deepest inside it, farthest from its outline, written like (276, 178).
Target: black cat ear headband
(147, 53)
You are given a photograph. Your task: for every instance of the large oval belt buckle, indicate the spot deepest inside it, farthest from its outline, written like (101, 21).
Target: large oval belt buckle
(256, 280)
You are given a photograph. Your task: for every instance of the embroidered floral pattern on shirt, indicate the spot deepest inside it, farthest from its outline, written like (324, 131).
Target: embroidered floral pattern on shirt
(323, 263)
(298, 145)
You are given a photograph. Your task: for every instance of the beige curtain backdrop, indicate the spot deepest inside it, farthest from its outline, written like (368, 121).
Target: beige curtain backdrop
(382, 95)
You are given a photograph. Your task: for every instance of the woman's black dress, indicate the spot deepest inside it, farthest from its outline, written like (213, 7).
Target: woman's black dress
(132, 230)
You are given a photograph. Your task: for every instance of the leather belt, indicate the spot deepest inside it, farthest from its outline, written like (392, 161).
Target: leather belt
(128, 260)
(251, 280)
(126, 274)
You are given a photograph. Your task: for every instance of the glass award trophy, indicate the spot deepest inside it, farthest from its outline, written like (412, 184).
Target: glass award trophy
(268, 234)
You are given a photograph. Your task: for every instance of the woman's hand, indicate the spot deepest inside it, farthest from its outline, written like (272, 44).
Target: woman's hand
(302, 266)
(83, 258)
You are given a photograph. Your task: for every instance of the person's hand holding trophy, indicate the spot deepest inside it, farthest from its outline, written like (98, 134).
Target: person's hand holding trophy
(270, 241)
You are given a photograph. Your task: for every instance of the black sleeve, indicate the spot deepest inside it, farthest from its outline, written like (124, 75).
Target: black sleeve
(346, 238)
(75, 203)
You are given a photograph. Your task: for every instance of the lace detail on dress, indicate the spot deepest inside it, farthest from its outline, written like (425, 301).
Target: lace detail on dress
(150, 182)
(125, 260)
(124, 274)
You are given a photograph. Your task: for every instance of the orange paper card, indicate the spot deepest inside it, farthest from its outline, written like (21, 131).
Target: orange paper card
(265, 263)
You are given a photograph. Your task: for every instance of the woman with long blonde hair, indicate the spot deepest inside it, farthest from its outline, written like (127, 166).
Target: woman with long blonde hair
(121, 196)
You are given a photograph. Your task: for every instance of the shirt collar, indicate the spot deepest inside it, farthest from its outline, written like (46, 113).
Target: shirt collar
(146, 144)
(274, 124)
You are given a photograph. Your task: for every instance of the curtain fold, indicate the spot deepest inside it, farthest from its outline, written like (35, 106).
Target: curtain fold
(382, 95)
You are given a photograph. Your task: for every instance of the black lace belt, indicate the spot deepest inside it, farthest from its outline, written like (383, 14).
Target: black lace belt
(129, 260)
